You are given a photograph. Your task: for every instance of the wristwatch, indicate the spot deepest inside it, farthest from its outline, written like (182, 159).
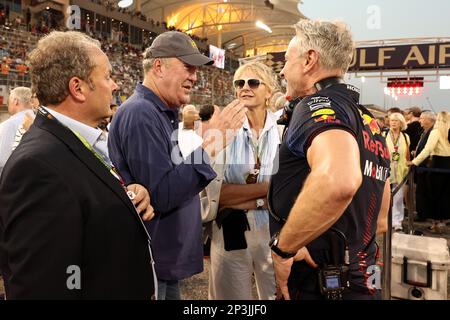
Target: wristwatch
(273, 246)
(260, 203)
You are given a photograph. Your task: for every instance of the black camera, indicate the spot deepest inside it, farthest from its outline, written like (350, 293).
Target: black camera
(288, 109)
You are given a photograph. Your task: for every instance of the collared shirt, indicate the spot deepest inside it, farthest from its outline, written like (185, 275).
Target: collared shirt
(241, 157)
(8, 130)
(143, 147)
(94, 136)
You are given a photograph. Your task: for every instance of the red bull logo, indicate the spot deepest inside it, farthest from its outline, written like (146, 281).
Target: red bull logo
(375, 146)
(371, 123)
(327, 119)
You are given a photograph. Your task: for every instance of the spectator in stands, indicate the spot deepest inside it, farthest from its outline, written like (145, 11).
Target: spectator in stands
(28, 18)
(423, 192)
(82, 224)
(438, 146)
(398, 144)
(141, 145)
(5, 66)
(240, 233)
(19, 104)
(413, 129)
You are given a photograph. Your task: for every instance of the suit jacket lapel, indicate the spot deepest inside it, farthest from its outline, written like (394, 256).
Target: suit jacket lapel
(84, 155)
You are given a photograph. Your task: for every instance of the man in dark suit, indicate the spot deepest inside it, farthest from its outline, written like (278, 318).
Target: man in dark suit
(68, 228)
(423, 196)
(414, 129)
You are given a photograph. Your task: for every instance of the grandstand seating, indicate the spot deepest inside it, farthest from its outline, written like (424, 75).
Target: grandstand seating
(213, 85)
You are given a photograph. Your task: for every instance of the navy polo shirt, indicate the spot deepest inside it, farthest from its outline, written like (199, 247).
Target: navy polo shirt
(144, 148)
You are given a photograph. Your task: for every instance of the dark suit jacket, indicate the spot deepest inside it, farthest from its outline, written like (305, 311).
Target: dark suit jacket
(422, 142)
(60, 207)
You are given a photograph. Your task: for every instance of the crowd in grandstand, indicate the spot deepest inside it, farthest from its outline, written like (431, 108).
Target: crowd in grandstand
(16, 42)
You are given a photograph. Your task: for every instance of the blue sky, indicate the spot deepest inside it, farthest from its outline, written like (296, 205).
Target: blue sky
(393, 19)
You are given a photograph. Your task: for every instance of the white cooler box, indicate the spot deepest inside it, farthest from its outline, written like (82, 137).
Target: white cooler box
(419, 267)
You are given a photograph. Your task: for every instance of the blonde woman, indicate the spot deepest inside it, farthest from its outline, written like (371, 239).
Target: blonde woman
(240, 233)
(398, 144)
(438, 147)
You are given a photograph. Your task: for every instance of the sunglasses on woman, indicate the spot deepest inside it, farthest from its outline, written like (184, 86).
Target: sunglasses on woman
(252, 83)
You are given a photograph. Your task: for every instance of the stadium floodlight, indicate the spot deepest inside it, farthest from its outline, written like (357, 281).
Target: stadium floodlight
(125, 3)
(263, 26)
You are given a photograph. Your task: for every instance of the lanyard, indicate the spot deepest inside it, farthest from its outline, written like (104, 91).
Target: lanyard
(395, 141)
(253, 175)
(396, 154)
(110, 168)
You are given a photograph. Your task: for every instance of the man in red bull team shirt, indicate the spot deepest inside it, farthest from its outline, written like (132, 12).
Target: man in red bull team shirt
(330, 195)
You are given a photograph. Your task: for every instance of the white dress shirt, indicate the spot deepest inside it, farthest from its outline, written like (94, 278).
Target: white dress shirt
(94, 136)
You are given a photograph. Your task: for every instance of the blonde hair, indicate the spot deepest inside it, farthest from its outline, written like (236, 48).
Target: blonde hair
(398, 116)
(264, 72)
(57, 58)
(443, 124)
(331, 39)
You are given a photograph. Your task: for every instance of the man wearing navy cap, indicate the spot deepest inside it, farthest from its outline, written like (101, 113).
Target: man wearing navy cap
(143, 146)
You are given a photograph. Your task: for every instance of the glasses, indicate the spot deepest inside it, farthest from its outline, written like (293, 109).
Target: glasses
(252, 83)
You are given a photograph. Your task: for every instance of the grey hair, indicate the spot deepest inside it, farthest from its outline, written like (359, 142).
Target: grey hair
(57, 58)
(429, 114)
(332, 40)
(23, 94)
(148, 60)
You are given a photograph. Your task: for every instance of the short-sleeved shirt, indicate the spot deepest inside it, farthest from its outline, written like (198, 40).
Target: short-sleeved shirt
(335, 107)
(144, 148)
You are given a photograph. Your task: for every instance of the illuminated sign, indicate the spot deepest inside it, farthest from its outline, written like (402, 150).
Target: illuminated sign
(420, 56)
(404, 86)
(395, 57)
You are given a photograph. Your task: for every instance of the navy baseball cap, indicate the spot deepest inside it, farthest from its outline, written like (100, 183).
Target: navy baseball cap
(175, 44)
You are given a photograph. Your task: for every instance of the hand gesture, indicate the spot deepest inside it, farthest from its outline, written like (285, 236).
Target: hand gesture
(223, 126)
(141, 200)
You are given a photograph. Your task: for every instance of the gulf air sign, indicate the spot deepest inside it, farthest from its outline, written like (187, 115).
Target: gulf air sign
(417, 56)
